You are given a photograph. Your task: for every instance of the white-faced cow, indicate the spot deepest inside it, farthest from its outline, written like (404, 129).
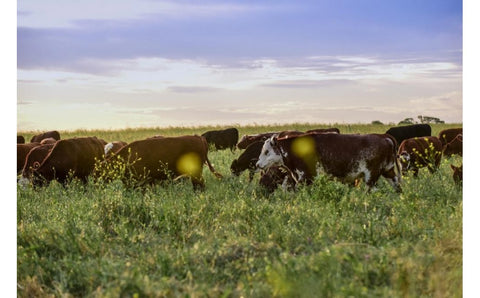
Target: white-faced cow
(401, 133)
(345, 157)
(222, 139)
(416, 153)
(74, 157)
(157, 159)
(49, 134)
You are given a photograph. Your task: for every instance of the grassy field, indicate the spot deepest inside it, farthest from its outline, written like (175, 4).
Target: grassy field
(234, 240)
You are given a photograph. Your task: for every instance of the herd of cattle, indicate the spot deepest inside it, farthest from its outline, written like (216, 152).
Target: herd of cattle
(284, 158)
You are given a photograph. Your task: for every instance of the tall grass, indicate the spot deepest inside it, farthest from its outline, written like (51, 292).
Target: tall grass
(233, 239)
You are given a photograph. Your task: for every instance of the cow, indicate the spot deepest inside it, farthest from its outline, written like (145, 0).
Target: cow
(49, 134)
(48, 141)
(35, 158)
(157, 159)
(416, 153)
(275, 176)
(20, 139)
(222, 139)
(457, 174)
(113, 147)
(75, 157)
(454, 147)
(250, 139)
(324, 130)
(447, 135)
(247, 160)
(401, 133)
(345, 157)
(22, 152)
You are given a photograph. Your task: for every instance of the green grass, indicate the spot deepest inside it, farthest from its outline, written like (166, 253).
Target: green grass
(232, 239)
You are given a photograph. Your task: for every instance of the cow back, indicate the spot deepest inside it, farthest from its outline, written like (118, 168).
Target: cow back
(222, 139)
(447, 135)
(401, 133)
(246, 140)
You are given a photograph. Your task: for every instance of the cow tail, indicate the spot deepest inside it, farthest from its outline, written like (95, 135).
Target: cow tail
(217, 174)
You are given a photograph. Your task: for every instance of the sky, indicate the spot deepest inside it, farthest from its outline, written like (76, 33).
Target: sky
(152, 63)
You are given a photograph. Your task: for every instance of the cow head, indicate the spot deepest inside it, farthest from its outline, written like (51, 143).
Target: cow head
(270, 154)
(404, 159)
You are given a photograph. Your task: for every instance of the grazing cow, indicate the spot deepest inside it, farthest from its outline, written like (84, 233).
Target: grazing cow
(222, 139)
(401, 133)
(35, 158)
(447, 135)
(457, 174)
(416, 153)
(155, 159)
(275, 176)
(247, 160)
(20, 140)
(324, 130)
(22, 152)
(454, 147)
(48, 141)
(113, 147)
(49, 134)
(250, 139)
(76, 157)
(346, 157)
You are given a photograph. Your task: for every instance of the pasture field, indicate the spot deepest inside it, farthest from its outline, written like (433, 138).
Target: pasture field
(234, 240)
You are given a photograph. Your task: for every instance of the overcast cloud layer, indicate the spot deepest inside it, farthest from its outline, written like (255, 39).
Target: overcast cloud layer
(116, 64)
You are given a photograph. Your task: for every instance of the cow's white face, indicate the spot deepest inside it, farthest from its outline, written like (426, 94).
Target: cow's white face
(404, 158)
(270, 155)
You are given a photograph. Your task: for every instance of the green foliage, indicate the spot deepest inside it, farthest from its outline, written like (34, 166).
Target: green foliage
(107, 239)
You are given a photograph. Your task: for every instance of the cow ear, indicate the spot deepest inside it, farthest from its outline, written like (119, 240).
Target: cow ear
(273, 141)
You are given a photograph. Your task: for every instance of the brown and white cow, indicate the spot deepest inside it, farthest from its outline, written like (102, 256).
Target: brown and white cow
(22, 152)
(447, 135)
(156, 159)
(74, 157)
(416, 153)
(49, 134)
(346, 157)
(454, 147)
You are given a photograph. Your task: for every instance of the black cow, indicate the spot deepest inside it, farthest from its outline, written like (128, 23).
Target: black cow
(222, 139)
(401, 133)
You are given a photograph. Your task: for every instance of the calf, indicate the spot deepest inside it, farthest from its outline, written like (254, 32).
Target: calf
(454, 147)
(74, 157)
(247, 160)
(222, 139)
(416, 153)
(346, 157)
(157, 159)
(401, 133)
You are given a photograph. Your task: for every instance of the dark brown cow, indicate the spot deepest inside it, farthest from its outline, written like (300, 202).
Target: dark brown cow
(416, 153)
(22, 152)
(49, 134)
(346, 157)
(454, 147)
(222, 139)
(20, 140)
(457, 174)
(247, 160)
(35, 158)
(76, 157)
(113, 147)
(275, 176)
(447, 135)
(250, 139)
(157, 159)
(325, 130)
